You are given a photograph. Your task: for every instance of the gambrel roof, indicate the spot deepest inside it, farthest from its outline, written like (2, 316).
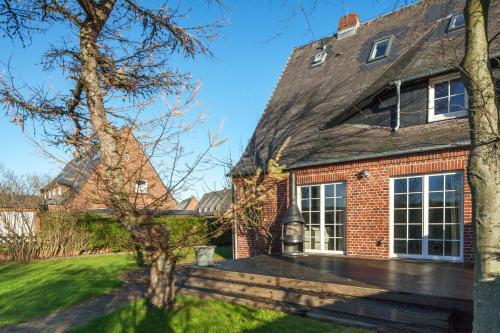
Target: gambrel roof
(310, 104)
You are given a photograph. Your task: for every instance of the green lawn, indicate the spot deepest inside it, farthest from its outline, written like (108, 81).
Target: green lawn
(31, 290)
(193, 315)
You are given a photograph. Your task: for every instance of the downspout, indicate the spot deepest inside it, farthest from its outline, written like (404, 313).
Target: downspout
(235, 224)
(397, 83)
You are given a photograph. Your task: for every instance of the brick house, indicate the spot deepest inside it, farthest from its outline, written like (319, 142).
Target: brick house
(79, 186)
(373, 122)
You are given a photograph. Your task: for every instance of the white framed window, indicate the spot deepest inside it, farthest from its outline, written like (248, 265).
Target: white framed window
(457, 21)
(324, 210)
(447, 98)
(141, 186)
(380, 48)
(427, 216)
(319, 58)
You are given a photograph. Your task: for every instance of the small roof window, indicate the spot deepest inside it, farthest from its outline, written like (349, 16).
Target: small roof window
(380, 49)
(319, 57)
(457, 21)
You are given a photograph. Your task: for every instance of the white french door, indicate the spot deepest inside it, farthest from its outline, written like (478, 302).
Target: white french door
(324, 210)
(427, 216)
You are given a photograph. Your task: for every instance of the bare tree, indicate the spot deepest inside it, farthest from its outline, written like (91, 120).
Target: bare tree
(484, 165)
(116, 58)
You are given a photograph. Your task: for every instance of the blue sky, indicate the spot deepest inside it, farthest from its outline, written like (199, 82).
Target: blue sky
(235, 85)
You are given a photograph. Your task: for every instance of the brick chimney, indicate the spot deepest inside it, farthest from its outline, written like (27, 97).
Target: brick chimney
(348, 25)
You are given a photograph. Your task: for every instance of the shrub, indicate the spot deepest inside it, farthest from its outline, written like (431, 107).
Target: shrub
(189, 230)
(106, 233)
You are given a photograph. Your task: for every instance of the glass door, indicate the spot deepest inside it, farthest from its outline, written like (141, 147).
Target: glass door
(324, 210)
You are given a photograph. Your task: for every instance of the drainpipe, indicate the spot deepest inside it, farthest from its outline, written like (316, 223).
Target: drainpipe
(397, 83)
(235, 223)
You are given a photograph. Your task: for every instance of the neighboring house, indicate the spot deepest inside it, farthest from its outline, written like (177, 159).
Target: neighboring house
(373, 121)
(19, 214)
(190, 203)
(215, 204)
(79, 185)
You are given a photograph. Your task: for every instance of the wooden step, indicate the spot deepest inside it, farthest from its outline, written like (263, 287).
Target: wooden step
(351, 305)
(378, 325)
(332, 288)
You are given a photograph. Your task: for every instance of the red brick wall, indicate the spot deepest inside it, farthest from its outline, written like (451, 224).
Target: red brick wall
(368, 199)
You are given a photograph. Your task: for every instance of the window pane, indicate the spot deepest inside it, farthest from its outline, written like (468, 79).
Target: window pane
(340, 217)
(305, 204)
(452, 199)
(436, 248)
(339, 229)
(457, 21)
(330, 244)
(435, 231)
(340, 202)
(415, 200)
(306, 217)
(315, 218)
(329, 217)
(452, 231)
(400, 216)
(415, 184)
(329, 203)
(329, 231)
(400, 231)
(441, 106)
(453, 182)
(436, 183)
(441, 89)
(400, 201)
(452, 249)
(436, 215)
(340, 244)
(329, 191)
(415, 216)
(400, 246)
(315, 204)
(314, 191)
(457, 103)
(415, 231)
(400, 185)
(304, 192)
(380, 49)
(451, 215)
(457, 87)
(436, 199)
(415, 247)
(340, 190)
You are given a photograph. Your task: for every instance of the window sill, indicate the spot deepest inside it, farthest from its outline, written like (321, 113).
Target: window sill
(433, 118)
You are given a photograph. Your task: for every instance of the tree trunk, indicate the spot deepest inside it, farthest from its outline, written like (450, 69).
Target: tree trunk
(483, 170)
(161, 289)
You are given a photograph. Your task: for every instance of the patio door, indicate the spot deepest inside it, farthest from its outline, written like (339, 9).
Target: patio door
(427, 216)
(324, 210)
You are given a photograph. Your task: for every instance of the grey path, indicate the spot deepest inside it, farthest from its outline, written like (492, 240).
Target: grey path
(57, 322)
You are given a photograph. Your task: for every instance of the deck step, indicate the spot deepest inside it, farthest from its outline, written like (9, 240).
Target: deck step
(464, 306)
(379, 325)
(328, 302)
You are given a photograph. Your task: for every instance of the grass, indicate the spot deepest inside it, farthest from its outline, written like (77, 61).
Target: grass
(193, 315)
(28, 291)
(31, 290)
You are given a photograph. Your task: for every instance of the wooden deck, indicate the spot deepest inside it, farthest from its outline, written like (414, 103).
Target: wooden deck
(438, 279)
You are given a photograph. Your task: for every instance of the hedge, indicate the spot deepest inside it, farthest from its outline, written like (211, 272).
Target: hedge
(106, 233)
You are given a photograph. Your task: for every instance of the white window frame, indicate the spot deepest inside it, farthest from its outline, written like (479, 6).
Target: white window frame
(436, 117)
(322, 216)
(452, 25)
(389, 40)
(142, 189)
(425, 223)
(319, 58)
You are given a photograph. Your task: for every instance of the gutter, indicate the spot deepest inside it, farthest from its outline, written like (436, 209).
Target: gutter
(461, 144)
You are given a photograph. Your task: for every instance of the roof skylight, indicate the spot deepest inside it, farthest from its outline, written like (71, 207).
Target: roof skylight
(457, 21)
(380, 49)
(320, 56)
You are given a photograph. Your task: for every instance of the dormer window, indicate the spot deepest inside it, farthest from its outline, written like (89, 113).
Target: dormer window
(457, 21)
(447, 98)
(380, 49)
(141, 186)
(319, 58)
